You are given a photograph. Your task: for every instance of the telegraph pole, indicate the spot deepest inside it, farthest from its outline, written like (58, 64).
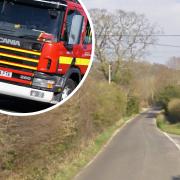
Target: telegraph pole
(110, 71)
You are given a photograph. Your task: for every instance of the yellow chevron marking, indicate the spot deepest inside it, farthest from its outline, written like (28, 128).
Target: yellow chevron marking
(82, 62)
(18, 65)
(18, 57)
(65, 60)
(79, 61)
(20, 50)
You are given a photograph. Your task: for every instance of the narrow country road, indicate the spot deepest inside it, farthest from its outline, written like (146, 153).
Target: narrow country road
(138, 152)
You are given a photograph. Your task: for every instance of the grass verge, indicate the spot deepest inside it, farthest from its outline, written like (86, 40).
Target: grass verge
(70, 169)
(164, 125)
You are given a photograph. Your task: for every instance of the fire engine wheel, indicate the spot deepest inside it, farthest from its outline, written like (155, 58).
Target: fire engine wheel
(69, 87)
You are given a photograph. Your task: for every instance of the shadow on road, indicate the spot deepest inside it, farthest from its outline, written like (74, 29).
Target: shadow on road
(150, 115)
(176, 178)
(17, 105)
(153, 113)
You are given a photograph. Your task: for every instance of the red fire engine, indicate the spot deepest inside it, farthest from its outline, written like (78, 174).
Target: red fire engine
(45, 48)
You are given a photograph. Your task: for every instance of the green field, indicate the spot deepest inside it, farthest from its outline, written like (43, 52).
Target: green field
(166, 126)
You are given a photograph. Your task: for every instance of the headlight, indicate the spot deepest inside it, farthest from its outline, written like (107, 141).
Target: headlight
(43, 83)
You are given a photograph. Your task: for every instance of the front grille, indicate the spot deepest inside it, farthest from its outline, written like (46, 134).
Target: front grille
(19, 58)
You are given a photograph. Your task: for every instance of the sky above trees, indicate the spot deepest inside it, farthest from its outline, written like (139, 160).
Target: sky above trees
(164, 13)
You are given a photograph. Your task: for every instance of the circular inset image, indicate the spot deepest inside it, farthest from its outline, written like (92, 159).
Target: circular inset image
(46, 51)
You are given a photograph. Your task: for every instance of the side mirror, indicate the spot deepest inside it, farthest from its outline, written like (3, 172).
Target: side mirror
(75, 31)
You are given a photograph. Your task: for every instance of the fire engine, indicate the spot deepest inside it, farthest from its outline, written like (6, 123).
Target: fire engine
(45, 48)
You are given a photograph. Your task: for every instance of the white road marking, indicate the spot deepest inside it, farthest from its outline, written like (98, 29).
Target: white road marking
(102, 150)
(172, 140)
(108, 142)
(166, 134)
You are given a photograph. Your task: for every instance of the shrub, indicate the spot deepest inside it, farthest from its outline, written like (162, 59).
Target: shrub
(166, 95)
(174, 110)
(132, 106)
(110, 105)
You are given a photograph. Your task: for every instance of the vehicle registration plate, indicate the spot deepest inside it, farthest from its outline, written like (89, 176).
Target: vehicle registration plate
(5, 74)
(37, 94)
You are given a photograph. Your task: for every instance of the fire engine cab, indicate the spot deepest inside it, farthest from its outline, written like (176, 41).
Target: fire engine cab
(45, 48)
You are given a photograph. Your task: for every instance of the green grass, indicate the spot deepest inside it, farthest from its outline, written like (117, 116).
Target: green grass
(164, 125)
(70, 169)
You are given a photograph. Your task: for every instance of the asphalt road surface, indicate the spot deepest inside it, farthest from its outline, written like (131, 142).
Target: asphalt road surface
(17, 105)
(138, 152)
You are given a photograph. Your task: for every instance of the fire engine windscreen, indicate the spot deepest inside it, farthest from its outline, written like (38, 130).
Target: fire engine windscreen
(30, 17)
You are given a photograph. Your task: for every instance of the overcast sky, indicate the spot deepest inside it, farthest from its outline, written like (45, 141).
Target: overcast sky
(165, 13)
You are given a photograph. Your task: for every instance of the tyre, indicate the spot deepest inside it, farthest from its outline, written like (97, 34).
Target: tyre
(70, 85)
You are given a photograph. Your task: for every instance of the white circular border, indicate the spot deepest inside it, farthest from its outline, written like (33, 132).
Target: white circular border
(77, 88)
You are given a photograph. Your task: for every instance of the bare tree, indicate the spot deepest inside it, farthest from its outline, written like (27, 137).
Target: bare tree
(120, 36)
